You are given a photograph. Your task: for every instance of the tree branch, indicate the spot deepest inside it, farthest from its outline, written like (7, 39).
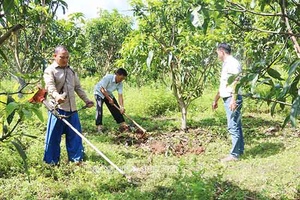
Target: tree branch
(286, 20)
(265, 99)
(11, 131)
(276, 57)
(19, 91)
(244, 9)
(9, 32)
(262, 30)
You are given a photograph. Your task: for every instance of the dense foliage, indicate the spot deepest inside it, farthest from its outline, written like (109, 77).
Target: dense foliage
(269, 50)
(105, 36)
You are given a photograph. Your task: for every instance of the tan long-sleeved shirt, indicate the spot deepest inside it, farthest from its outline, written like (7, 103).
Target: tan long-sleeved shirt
(63, 80)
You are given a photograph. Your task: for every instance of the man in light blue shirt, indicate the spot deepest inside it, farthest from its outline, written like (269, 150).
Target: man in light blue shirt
(104, 93)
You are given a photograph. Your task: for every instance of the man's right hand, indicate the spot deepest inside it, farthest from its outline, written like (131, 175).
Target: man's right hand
(111, 101)
(89, 104)
(60, 98)
(214, 105)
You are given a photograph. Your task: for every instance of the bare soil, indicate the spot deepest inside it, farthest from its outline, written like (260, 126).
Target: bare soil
(177, 143)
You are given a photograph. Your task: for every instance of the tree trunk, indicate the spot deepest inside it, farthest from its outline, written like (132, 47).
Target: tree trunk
(183, 109)
(289, 29)
(179, 99)
(22, 84)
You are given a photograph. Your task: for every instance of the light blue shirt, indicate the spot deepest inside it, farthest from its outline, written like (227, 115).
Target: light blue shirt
(108, 82)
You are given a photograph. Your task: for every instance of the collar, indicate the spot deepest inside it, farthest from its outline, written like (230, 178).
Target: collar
(114, 79)
(56, 65)
(227, 58)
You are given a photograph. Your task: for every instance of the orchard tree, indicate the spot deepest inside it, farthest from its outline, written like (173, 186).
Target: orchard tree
(170, 45)
(68, 32)
(105, 35)
(23, 27)
(270, 49)
(26, 48)
(26, 24)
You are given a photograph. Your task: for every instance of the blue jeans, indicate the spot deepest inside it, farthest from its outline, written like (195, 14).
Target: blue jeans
(55, 128)
(234, 125)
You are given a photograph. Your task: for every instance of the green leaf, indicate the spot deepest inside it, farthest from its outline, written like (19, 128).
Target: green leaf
(3, 55)
(262, 5)
(286, 120)
(274, 73)
(294, 67)
(10, 109)
(196, 18)
(294, 86)
(38, 113)
(294, 111)
(26, 113)
(273, 108)
(149, 59)
(18, 145)
(8, 6)
(232, 78)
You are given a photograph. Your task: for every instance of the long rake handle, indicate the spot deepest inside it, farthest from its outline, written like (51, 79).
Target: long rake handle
(86, 140)
(93, 146)
(139, 126)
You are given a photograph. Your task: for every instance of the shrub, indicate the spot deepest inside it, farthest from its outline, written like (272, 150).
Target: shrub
(150, 100)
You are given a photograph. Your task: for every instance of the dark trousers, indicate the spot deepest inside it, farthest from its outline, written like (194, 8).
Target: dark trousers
(113, 110)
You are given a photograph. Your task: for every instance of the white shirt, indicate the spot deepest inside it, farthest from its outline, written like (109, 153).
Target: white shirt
(231, 66)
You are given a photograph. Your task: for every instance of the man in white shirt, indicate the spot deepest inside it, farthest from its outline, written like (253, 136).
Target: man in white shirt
(232, 100)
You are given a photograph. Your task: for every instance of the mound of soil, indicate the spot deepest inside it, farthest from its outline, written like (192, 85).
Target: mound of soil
(176, 143)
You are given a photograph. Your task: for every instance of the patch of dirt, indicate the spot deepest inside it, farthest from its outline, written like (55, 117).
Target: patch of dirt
(176, 143)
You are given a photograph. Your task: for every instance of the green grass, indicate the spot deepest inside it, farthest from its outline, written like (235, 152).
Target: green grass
(268, 170)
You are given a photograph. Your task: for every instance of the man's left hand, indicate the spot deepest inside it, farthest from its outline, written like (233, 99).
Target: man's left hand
(89, 104)
(122, 110)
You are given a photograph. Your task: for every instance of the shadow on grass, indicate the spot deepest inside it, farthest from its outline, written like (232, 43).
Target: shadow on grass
(97, 191)
(94, 157)
(253, 127)
(182, 187)
(266, 149)
(247, 121)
